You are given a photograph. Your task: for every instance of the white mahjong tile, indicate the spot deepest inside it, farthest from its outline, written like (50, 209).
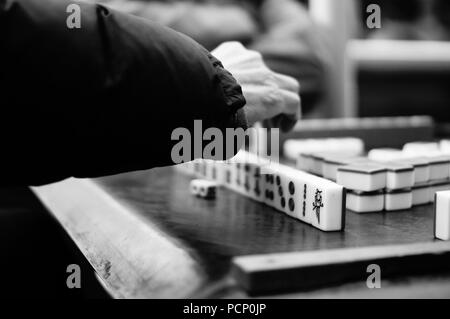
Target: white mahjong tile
(442, 216)
(439, 167)
(324, 206)
(421, 168)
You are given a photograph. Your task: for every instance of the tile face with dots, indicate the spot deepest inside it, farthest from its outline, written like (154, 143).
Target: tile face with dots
(281, 192)
(309, 198)
(247, 176)
(299, 193)
(203, 188)
(324, 206)
(252, 179)
(269, 188)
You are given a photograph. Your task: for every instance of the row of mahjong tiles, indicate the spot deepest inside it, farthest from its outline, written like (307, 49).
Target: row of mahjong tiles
(283, 188)
(387, 179)
(303, 196)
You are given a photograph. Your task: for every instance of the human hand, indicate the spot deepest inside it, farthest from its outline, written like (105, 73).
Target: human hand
(271, 97)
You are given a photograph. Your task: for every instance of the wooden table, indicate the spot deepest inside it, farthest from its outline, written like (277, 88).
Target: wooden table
(147, 237)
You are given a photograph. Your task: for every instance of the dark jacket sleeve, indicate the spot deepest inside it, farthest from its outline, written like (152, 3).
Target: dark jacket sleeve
(104, 98)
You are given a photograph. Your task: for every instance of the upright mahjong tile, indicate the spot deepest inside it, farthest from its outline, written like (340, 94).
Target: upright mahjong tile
(317, 201)
(252, 177)
(442, 216)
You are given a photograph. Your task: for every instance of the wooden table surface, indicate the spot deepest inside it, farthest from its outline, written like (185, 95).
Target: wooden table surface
(147, 237)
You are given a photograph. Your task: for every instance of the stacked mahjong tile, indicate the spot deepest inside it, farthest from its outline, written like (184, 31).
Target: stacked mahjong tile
(431, 162)
(388, 179)
(303, 196)
(374, 187)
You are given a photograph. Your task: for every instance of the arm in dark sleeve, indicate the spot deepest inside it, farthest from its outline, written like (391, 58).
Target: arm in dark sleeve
(101, 99)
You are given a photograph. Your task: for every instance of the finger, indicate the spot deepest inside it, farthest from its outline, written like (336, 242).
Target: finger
(269, 101)
(287, 83)
(291, 103)
(262, 103)
(256, 76)
(228, 50)
(247, 60)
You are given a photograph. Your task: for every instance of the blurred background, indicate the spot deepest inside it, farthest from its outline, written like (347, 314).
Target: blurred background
(345, 68)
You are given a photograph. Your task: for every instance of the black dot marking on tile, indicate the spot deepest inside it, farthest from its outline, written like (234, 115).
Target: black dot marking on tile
(283, 202)
(280, 191)
(278, 180)
(247, 184)
(257, 189)
(291, 204)
(291, 188)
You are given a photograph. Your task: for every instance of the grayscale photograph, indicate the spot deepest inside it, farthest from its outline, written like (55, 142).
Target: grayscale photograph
(237, 157)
